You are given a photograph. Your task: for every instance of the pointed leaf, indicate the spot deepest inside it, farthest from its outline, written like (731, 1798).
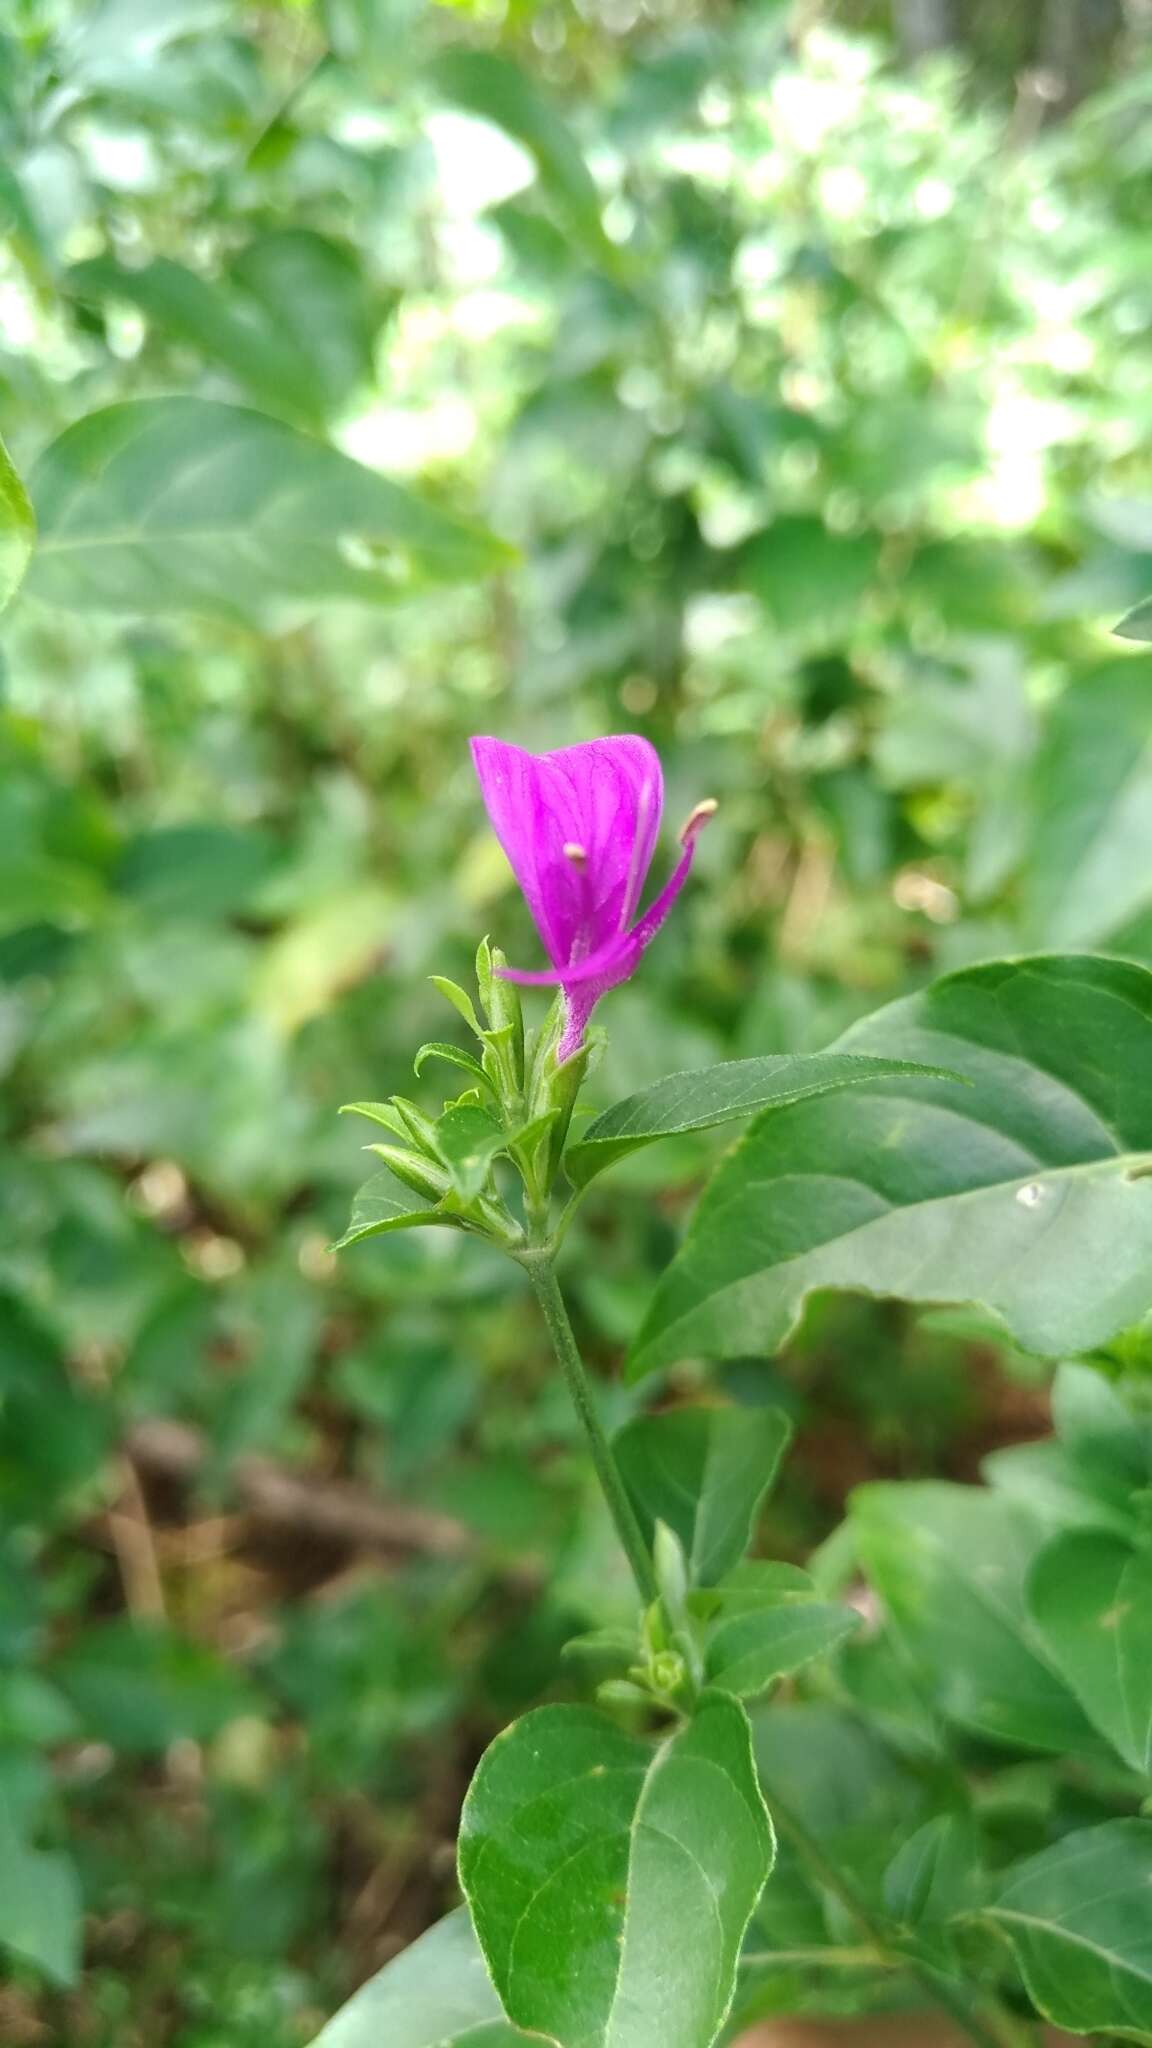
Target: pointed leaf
(586, 1854)
(382, 1204)
(1080, 1920)
(700, 1099)
(1090, 1598)
(1026, 1193)
(438, 1049)
(703, 1471)
(747, 1653)
(499, 92)
(950, 1565)
(437, 1994)
(167, 505)
(17, 529)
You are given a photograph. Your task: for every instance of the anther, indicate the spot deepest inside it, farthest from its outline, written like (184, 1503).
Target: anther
(573, 851)
(700, 816)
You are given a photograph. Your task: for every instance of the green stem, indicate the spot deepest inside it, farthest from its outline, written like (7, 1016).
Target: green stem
(989, 2026)
(541, 1272)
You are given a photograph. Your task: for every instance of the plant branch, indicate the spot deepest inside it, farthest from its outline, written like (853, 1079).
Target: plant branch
(538, 1265)
(977, 2015)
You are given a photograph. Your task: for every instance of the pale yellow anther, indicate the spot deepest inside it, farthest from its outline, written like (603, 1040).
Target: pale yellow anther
(700, 816)
(577, 854)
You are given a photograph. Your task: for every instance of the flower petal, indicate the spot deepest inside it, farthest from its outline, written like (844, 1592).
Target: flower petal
(604, 800)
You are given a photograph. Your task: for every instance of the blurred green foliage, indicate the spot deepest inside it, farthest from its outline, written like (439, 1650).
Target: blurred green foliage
(382, 373)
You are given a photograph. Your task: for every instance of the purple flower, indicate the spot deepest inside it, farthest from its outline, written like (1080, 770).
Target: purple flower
(579, 827)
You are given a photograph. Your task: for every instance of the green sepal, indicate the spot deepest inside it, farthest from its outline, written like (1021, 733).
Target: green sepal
(416, 1172)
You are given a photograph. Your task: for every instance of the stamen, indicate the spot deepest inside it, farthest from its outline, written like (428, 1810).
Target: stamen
(700, 816)
(577, 854)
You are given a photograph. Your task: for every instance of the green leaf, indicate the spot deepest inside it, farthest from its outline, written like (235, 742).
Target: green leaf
(383, 1204)
(41, 1916)
(293, 324)
(467, 1140)
(950, 1564)
(182, 504)
(1025, 1194)
(1090, 863)
(496, 90)
(1090, 1598)
(704, 1472)
(437, 1994)
(1136, 624)
(746, 1654)
(585, 1854)
(460, 1001)
(1078, 1917)
(698, 1100)
(935, 1874)
(140, 1687)
(439, 1049)
(1099, 1432)
(17, 529)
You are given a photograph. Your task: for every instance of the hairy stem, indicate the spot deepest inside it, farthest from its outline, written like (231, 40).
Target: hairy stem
(542, 1274)
(975, 2013)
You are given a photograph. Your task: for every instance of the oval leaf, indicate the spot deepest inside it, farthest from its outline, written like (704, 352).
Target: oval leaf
(748, 1653)
(703, 1471)
(383, 1204)
(707, 1096)
(1026, 1193)
(185, 505)
(950, 1564)
(1080, 1919)
(1090, 1597)
(585, 1854)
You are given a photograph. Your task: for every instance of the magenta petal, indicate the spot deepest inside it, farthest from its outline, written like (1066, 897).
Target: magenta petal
(603, 798)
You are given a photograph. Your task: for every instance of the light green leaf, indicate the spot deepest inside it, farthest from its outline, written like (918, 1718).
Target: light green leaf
(437, 1994)
(455, 1056)
(17, 529)
(384, 1204)
(1136, 624)
(182, 504)
(747, 1653)
(703, 1471)
(1099, 1432)
(494, 88)
(1090, 1598)
(949, 1564)
(585, 1854)
(1090, 864)
(468, 1139)
(1080, 1919)
(1025, 1193)
(698, 1100)
(41, 1916)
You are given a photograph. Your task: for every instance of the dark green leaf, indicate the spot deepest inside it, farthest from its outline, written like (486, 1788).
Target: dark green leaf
(1024, 1193)
(1090, 1598)
(181, 504)
(585, 1855)
(1078, 1917)
(1099, 1431)
(142, 1687)
(698, 1100)
(703, 1471)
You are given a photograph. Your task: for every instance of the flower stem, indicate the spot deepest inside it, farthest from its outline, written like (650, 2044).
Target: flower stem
(542, 1273)
(975, 2013)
